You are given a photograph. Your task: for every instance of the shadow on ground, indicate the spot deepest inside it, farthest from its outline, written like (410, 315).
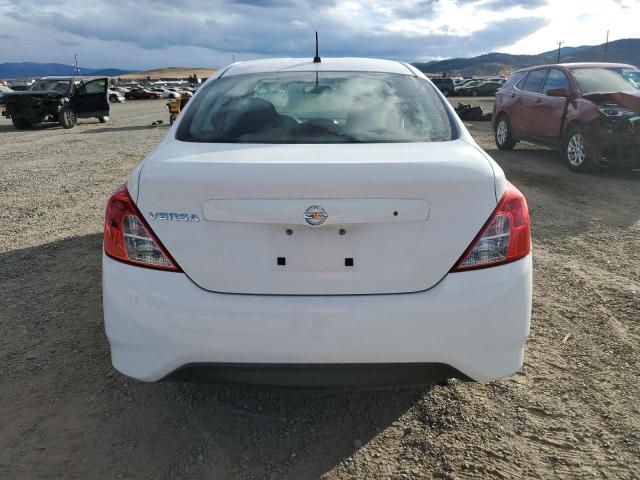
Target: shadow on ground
(68, 413)
(123, 129)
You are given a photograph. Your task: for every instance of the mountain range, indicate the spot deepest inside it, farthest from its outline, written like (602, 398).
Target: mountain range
(33, 69)
(622, 51)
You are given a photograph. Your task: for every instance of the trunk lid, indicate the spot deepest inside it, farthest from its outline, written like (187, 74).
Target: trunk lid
(398, 216)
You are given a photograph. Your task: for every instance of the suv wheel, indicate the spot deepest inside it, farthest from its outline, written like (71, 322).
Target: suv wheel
(575, 151)
(67, 118)
(21, 123)
(503, 134)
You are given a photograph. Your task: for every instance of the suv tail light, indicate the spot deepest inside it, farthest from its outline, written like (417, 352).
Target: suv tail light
(128, 238)
(506, 237)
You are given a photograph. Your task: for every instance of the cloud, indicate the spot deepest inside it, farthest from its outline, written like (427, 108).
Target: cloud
(504, 4)
(401, 29)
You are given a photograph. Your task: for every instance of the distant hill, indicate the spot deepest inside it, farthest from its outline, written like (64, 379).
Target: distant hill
(622, 51)
(170, 72)
(33, 69)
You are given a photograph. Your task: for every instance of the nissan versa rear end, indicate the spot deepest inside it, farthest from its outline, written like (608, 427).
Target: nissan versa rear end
(317, 223)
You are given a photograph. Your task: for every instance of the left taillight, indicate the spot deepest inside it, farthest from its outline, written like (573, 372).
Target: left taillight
(128, 238)
(506, 237)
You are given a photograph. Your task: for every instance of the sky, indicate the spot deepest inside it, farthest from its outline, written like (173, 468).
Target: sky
(208, 33)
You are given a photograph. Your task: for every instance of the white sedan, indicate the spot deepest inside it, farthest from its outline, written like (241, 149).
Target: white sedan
(317, 223)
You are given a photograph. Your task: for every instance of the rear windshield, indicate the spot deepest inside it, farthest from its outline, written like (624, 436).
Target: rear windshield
(310, 107)
(591, 80)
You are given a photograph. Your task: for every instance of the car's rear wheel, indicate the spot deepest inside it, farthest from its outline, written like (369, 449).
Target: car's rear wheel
(575, 152)
(104, 119)
(67, 118)
(503, 133)
(21, 123)
(113, 99)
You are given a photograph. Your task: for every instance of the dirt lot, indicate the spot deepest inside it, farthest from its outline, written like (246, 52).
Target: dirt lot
(573, 411)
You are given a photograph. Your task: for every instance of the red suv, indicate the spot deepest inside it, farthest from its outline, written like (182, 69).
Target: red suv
(589, 111)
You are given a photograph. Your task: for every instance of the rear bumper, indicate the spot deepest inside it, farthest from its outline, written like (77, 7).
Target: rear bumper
(474, 322)
(317, 374)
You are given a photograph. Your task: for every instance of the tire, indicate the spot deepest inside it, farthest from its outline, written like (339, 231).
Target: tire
(113, 99)
(67, 118)
(104, 119)
(576, 156)
(503, 134)
(445, 93)
(21, 123)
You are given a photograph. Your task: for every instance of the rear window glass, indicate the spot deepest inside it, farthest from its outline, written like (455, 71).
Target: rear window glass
(310, 107)
(556, 79)
(513, 78)
(534, 81)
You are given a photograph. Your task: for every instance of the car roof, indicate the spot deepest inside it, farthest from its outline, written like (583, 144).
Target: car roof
(326, 65)
(573, 66)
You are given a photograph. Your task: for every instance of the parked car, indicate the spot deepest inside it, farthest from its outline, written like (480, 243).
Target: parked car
(115, 96)
(589, 111)
(121, 90)
(3, 91)
(469, 82)
(480, 89)
(58, 99)
(142, 93)
(317, 226)
(166, 93)
(445, 85)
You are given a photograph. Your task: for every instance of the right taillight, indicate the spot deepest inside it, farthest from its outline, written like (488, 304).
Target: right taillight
(506, 237)
(129, 239)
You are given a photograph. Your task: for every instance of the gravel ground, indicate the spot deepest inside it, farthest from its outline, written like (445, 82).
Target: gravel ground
(572, 412)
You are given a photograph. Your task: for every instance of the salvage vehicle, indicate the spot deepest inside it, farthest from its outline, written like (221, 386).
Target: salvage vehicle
(166, 93)
(142, 93)
(3, 91)
(589, 111)
(488, 88)
(445, 85)
(115, 96)
(317, 222)
(58, 99)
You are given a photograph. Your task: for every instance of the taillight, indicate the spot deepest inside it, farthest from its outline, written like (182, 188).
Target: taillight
(128, 237)
(506, 237)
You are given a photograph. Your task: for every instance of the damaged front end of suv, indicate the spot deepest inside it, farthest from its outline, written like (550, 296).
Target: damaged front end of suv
(26, 109)
(612, 134)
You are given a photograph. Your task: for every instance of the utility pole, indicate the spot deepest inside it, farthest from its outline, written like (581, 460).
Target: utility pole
(233, 56)
(559, 45)
(606, 46)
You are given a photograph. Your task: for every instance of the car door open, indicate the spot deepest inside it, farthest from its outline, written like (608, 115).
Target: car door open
(91, 99)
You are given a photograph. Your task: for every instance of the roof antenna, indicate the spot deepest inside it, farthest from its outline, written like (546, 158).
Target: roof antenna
(317, 59)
